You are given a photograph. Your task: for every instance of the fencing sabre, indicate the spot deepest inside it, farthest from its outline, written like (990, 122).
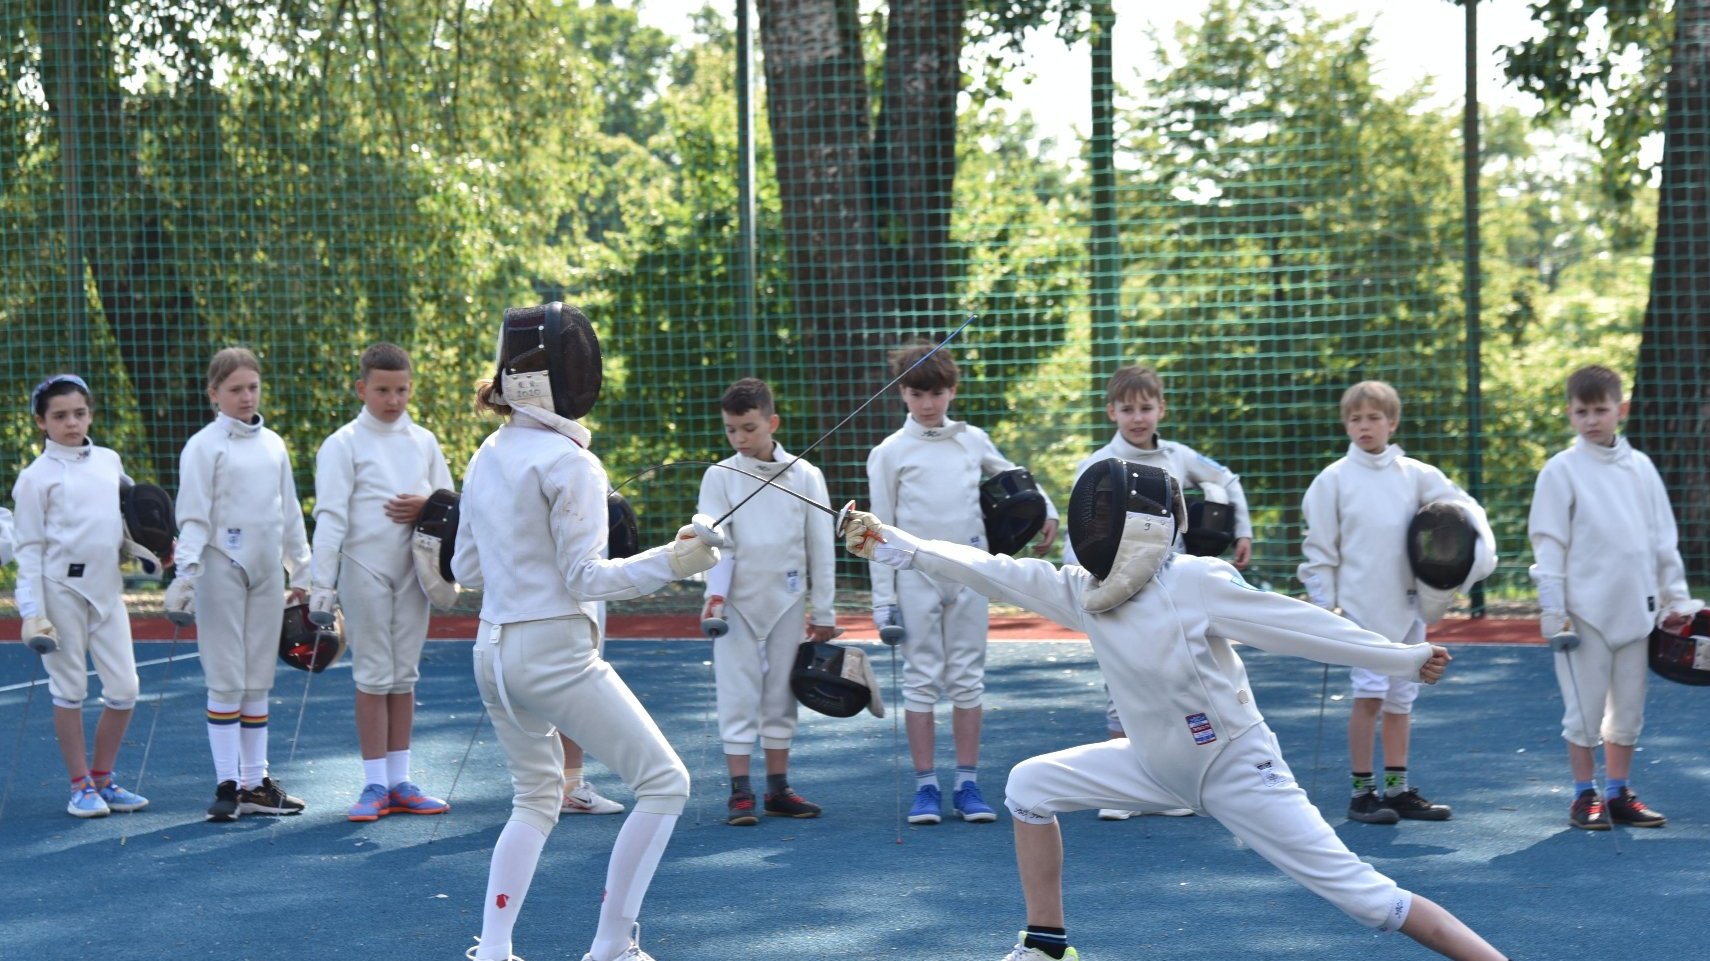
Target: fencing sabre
(179, 619)
(302, 708)
(1318, 743)
(714, 628)
(1565, 644)
(41, 644)
(892, 634)
(456, 777)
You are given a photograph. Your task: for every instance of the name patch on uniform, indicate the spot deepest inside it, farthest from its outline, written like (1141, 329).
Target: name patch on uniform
(75, 570)
(1200, 726)
(234, 539)
(1271, 776)
(793, 580)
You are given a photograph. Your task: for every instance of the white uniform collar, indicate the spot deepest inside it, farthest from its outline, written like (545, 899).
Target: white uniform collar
(59, 451)
(1120, 447)
(237, 428)
(1382, 459)
(541, 417)
(1613, 454)
(765, 468)
(951, 428)
(399, 426)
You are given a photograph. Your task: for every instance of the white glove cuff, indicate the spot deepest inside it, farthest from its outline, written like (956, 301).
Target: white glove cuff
(898, 548)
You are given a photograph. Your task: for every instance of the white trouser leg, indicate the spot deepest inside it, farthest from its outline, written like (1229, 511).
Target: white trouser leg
(508, 876)
(635, 857)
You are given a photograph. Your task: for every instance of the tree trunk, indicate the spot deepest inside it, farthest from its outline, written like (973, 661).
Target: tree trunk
(1671, 396)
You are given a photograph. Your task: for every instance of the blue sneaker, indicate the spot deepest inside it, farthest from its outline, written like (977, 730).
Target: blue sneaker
(928, 806)
(119, 799)
(970, 806)
(374, 804)
(407, 798)
(86, 803)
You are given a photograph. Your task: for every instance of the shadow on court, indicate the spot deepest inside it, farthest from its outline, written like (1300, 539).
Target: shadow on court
(164, 884)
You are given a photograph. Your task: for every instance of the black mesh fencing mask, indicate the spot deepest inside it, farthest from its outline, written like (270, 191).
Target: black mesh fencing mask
(1013, 508)
(835, 680)
(1441, 545)
(1102, 500)
(1683, 658)
(623, 530)
(150, 518)
(1210, 523)
(306, 647)
(548, 356)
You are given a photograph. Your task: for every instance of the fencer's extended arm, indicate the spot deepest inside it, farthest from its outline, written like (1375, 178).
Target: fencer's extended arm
(31, 533)
(335, 480)
(295, 542)
(194, 507)
(1284, 625)
(575, 487)
(1322, 542)
(1030, 583)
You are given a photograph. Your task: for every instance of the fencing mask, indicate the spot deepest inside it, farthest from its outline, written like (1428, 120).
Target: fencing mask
(835, 680)
(1683, 657)
(548, 356)
(433, 544)
(1013, 508)
(150, 523)
(1123, 518)
(623, 531)
(1442, 544)
(1210, 522)
(306, 647)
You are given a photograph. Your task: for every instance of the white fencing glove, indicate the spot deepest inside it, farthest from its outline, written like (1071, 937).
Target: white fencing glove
(690, 554)
(1551, 623)
(39, 635)
(713, 624)
(887, 615)
(323, 601)
(864, 536)
(180, 601)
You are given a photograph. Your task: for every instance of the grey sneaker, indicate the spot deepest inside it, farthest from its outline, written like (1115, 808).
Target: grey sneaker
(1368, 807)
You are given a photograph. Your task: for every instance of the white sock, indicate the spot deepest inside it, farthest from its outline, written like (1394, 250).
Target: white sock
(374, 772)
(397, 768)
(966, 775)
(252, 737)
(635, 856)
(223, 739)
(925, 779)
(572, 779)
(508, 877)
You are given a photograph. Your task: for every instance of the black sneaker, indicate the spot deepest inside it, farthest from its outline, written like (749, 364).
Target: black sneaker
(225, 806)
(1626, 808)
(788, 804)
(1410, 805)
(741, 808)
(1368, 807)
(268, 798)
(1588, 813)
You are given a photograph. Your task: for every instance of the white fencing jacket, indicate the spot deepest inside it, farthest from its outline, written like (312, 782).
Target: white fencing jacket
(1167, 653)
(532, 529)
(1355, 515)
(1602, 528)
(68, 526)
(360, 467)
(236, 495)
(1189, 467)
(926, 480)
(778, 546)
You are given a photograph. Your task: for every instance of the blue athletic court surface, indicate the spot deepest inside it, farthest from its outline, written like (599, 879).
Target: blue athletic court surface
(165, 884)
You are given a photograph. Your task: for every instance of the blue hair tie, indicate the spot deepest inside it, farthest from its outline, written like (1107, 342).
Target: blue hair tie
(42, 388)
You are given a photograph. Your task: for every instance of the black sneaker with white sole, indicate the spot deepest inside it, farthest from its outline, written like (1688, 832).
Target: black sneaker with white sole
(1626, 808)
(1410, 805)
(1368, 807)
(1587, 812)
(268, 798)
(225, 806)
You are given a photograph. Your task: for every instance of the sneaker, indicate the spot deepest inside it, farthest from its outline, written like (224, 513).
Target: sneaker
(225, 806)
(583, 799)
(407, 798)
(372, 805)
(788, 804)
(970, 806)
(1176, 813)
(1626, 808)
(86, 802)
(1022, 953)
(268, 798)
(631, 953)
(741, 808)
(1410, 805)
(1114, 814)
(470, 954)
(119, 799)
(1368, 807)
(1588, 813)
(928, 806)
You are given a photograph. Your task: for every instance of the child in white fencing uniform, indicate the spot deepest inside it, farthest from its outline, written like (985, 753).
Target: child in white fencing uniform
(779, 557)
(532, 533)
(1163, 627)
(372, 477)
(69, 535)
(240, 530)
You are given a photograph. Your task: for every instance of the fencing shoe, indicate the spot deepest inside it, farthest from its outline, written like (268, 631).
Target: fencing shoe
(970, 805)
(119, 799)
(928, 807)
(268, 798)
(372, 805)
(1411, 806)
(631, 953)
(406, 797)
(741, 810)
(1588, 813)
(86, 802)
(1626, 808)
(1023, 953)
(583, 799)
(788, 804)
(225, 806)
(1368, 807)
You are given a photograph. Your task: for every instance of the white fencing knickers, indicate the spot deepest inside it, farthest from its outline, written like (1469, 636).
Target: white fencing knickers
(385, 625)
(541, 677)
(1610, 701)
(753, 679)
(1249, 789)
(944, 651)
(86, 635)
(238, 623)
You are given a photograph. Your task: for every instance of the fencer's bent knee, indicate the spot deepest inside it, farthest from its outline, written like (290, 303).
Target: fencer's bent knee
(1026, 815)
(1022, 794)
(664, 789)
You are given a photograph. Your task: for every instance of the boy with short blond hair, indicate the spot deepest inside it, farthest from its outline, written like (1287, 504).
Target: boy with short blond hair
(926, 477)
(1355, 516)
(1607, 555)
(372, 477)
(776, 573)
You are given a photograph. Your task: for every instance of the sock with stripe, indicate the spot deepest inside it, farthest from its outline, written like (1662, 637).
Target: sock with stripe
(1363, 782)
(925, 779)
(100, 779)
(252, 729)
(1394, 781)
(223, 738)
(966, 775)
(1052, 941)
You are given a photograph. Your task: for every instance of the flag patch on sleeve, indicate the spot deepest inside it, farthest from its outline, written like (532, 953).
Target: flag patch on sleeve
(1200, 726)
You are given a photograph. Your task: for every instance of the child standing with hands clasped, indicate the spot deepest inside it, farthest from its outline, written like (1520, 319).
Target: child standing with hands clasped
(240, 528)
(1607, 556)
(69, 536)
(778, 559)
(372, 477)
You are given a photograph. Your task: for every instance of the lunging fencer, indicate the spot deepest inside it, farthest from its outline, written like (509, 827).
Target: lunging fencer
(532, 533)
(1162, 627)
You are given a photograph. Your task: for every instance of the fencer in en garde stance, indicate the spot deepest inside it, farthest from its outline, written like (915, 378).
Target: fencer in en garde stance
(532, 533)
(1161, 626)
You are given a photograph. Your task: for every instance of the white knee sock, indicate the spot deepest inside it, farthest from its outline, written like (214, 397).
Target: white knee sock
(635, 856)
(252, 766)
(223, 738)
(397, 767)
(508, 877)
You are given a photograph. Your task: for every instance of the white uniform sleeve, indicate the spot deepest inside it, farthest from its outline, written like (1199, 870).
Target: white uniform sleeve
(1284, 625)
(8, 540)
(715, 502)
(1549, 526)
(882, 496)
(439, 472)
(31, 533)
(1031, 583)
(576, 498)
(821, 555)
(295, 539)
(1672, 593)
(1323, 541)
(335, 481)
(466, 557)
(195, 505)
